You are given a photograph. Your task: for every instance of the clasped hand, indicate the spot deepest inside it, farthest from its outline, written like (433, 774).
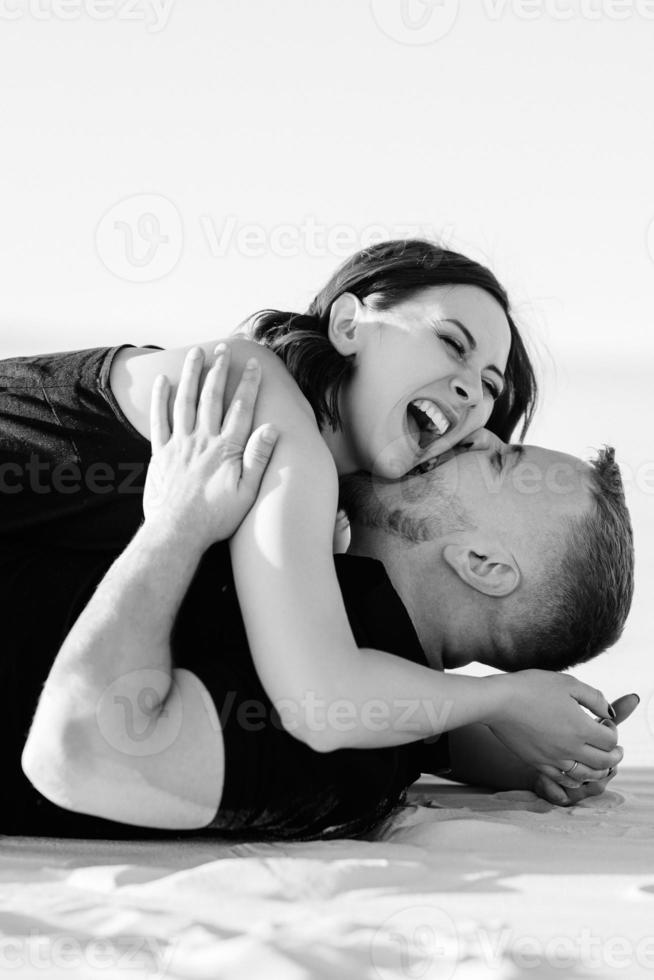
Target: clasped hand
(545, 726)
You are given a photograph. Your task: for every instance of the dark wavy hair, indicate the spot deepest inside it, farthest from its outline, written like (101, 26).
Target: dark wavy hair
(383, 275)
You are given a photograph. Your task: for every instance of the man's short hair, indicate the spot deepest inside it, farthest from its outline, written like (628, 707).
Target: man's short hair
(582, 604)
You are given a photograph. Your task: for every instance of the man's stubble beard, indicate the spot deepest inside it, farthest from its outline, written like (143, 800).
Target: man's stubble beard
(416, 508)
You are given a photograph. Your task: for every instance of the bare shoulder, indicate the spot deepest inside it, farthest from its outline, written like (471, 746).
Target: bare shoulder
(134, 370)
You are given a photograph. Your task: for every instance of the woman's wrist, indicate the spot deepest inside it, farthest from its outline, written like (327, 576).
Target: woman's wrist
(497, 698)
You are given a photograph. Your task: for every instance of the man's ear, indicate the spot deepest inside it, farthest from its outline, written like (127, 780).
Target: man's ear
(344, 321)
(492, 570)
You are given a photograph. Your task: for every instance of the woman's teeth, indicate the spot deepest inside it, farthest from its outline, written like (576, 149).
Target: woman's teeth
(435, 420)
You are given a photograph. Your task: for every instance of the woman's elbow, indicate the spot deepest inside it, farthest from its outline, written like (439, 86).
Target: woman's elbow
(319, 737)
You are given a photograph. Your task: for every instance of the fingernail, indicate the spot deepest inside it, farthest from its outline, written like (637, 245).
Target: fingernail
(269, 434)
(220, 349)
(612, 711)
(251, 363)
(637, 697)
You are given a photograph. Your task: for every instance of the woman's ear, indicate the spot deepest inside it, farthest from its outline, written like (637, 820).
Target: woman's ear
(492, 571)
(344, 321)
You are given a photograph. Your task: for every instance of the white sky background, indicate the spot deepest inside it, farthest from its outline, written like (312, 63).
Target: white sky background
(274, 136)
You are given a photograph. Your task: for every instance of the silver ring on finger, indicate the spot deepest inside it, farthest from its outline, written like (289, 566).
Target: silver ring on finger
(566, 772)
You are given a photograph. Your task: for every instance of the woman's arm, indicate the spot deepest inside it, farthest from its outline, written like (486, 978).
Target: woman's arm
(477, 757)
(119, 732)
(333, 695)
(326, 690)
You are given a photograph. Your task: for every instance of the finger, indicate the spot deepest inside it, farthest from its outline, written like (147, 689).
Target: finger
(212, 395)
(625, 706)
(595, 758)
(237, 424)
(552, 792)
(159, 422)
(592, 699)
(260, 447)
(603, 736)
(594, 788)
(187, 392)
(560, 778)
(574, 775)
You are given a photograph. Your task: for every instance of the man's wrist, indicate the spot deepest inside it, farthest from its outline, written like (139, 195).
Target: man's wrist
(172, 536)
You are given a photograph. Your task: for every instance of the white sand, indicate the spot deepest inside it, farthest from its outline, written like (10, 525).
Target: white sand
(465, 884)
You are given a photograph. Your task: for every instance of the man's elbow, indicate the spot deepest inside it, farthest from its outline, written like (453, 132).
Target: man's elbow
(54, 768)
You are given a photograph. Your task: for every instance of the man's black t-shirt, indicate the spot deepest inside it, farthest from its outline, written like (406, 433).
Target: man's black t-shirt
(71, 478)
(275, 785)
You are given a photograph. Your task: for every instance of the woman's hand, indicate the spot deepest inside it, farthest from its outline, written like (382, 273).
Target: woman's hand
(543, 724)
(551, 791)
(206, 470)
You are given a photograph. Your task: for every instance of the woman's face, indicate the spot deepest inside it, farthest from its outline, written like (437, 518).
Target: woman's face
(426, 374)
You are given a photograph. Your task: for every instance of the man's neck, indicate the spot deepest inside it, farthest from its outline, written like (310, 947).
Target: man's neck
(373, 543)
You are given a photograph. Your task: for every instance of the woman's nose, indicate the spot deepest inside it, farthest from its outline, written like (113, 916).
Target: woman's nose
(468, 389)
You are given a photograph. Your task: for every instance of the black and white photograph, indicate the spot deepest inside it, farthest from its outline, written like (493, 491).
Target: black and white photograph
(326, 489)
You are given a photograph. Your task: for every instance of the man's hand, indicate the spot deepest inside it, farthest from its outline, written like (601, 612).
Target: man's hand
(553, 792)
(206, 471)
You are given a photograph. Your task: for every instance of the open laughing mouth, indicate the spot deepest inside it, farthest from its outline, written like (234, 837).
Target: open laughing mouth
(426, 422)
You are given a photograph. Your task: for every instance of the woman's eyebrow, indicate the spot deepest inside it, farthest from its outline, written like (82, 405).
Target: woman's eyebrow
(473, 344)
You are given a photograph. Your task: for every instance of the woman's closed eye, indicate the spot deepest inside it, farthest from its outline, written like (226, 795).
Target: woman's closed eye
(492, 388)
(454, 344)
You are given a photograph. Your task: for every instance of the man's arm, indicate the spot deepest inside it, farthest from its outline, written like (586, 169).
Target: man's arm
(119, 732)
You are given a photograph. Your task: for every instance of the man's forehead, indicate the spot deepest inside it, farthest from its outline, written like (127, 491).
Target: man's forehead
(533, 470)
(545, 459)
(510, 468)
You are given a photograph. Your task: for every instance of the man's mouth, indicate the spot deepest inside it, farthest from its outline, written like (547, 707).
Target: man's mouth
(426, 421)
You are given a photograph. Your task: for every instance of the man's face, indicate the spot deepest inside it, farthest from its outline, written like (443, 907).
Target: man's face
(523, 496)
(518, 492)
